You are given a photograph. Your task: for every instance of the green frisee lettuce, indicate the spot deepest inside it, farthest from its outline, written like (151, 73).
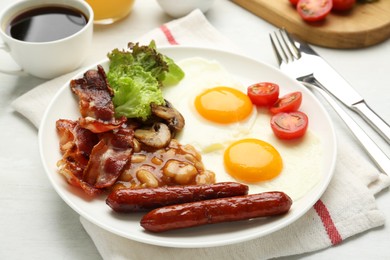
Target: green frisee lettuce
(136, 76)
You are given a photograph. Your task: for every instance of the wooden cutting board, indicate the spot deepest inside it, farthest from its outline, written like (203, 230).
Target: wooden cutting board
(365, 25)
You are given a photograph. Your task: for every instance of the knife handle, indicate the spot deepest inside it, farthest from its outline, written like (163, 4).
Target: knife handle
(374, 152)
(375, 121)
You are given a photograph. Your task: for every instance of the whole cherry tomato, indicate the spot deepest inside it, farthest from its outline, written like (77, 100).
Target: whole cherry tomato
(287, 103)
(314, 10)
(263, 93)
(294, 2)
(343, 5)
(290, 125)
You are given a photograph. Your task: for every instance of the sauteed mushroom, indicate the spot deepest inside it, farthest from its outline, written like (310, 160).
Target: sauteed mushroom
(157, 136)
(173, 117)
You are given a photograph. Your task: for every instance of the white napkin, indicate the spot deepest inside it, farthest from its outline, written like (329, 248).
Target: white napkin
(347, 208)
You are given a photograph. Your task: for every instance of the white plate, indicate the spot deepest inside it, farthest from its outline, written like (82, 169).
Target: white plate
(65, 106)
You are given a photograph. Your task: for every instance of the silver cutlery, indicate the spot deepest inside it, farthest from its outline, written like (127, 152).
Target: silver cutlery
(298, 59)
(282, 50)
(375, 153)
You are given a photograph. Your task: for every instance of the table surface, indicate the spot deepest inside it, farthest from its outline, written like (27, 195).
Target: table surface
(36, 224)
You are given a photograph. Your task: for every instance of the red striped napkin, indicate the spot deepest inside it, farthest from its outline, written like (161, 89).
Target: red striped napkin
(347, 208)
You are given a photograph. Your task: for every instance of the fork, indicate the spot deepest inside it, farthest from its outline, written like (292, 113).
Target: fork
(286, 53)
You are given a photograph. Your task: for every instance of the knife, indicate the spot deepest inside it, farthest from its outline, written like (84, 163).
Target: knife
(376, 154)
(310, 63)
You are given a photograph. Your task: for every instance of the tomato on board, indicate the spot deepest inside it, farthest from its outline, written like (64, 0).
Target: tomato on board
(314, 10)
(294, 2)
(289, 125)
(287, 103)
(263, 93)
(343, 5)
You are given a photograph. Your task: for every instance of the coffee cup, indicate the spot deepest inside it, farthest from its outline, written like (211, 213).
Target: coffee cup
(46, 48)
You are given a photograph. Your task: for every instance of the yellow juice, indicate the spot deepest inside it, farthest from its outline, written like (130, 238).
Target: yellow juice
(109, 11)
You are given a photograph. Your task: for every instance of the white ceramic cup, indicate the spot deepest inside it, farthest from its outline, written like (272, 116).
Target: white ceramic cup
(46, 59)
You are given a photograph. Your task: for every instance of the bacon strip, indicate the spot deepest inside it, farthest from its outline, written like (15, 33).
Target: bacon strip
(76, 144)
(93, 161)
(95, 101)
(109, 158)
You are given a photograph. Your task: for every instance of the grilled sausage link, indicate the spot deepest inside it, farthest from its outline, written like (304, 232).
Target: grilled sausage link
(216, 210)
(135, 200)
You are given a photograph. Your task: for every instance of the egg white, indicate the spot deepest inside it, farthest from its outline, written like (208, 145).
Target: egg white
(301, 158)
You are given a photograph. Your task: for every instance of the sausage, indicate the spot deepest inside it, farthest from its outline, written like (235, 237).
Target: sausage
(216, 211)
(136, 200)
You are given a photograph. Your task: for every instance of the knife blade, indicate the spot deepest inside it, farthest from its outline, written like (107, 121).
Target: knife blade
(310, 63)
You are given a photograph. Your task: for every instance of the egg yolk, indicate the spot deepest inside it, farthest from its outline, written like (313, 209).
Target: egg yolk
(252, 160)
(223, 105)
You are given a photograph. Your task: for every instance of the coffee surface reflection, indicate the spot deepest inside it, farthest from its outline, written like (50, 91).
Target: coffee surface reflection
(45, 24)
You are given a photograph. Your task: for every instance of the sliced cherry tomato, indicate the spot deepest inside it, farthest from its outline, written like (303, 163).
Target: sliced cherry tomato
(287, 103)
(314, 10)
(263, 93)
(294, 2)
(289, 125)
(343, 5)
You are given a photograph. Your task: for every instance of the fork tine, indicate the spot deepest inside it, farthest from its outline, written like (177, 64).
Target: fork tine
(284, 46)
(276, 48)
(290, 43)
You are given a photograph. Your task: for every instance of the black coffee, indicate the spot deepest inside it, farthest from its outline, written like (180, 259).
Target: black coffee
(45, 24)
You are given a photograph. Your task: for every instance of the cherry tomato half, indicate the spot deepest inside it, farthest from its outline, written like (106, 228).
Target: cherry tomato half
(314, 10)
(289, 125)
(287, 103)
(343, 5)
(263, 93)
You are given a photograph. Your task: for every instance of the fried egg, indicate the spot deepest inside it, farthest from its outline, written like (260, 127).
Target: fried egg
(235, 138)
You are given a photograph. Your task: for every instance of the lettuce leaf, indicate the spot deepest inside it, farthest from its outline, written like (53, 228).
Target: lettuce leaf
(174, 75)
(134, 91)
(136, 76)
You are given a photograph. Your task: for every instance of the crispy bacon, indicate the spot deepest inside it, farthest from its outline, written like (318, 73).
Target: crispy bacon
(97, 147)
(76, 144)
(95, 101)
(93, 161)
(109, 157)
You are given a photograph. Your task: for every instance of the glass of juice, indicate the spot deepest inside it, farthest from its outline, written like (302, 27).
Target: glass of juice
(109, 11)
